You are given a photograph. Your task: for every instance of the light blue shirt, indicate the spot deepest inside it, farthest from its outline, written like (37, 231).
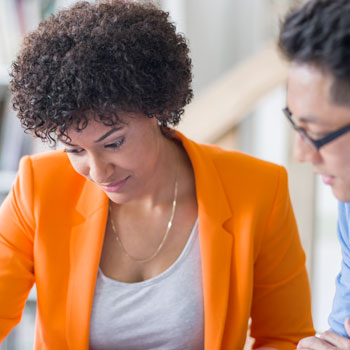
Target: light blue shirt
(341, 302)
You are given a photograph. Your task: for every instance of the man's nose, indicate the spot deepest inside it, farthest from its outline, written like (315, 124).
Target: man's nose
(304, 151)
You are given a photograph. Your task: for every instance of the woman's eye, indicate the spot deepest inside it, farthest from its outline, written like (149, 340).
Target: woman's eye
(115, 145)
(74, 151)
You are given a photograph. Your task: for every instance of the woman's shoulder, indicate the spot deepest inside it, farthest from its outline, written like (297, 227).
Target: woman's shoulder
(52, 156)
(47, 167)
(50, 160)
(242, 176)
(236, 163)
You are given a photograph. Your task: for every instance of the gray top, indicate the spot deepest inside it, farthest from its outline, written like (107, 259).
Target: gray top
(164, 312)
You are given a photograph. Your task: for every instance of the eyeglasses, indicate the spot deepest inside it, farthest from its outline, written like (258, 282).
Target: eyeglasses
(315, 144)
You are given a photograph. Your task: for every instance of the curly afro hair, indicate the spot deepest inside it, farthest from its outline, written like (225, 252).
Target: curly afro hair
(318, 34)
(98, 59)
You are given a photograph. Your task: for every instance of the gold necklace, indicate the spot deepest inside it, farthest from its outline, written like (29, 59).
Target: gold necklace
(170, 223)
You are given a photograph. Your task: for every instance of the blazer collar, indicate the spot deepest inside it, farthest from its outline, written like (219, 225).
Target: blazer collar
(209, 186)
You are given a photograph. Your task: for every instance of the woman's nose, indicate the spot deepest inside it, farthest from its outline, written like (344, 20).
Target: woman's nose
(100, 170)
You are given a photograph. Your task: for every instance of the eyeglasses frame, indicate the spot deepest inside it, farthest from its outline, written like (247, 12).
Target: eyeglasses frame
(316, 143)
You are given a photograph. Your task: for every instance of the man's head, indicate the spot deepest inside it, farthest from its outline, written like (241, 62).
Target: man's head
(316, 40)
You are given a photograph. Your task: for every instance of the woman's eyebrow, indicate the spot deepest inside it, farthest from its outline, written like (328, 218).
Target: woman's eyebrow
(66, 142)
(110, 132)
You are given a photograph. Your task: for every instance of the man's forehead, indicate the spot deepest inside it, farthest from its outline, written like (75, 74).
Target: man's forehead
(309, 96)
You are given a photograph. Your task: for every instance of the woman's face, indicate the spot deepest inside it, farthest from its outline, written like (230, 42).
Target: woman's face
(122, 159)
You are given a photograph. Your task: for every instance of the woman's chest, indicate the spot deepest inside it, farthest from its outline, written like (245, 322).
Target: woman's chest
(141, 248)
(162, 312)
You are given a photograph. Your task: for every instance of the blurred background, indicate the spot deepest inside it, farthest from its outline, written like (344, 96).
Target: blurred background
(239, 85)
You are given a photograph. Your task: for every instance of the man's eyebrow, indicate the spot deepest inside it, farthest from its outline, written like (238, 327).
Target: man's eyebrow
(307, 119)
(110, 132)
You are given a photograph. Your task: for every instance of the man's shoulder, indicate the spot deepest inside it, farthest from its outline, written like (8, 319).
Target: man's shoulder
(347, 206)
(344, 213)
(344, 225)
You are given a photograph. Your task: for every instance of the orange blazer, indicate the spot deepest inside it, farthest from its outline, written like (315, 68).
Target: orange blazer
(52, 228)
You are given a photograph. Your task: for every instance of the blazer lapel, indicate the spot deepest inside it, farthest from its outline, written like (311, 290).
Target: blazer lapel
(216, 247)
(215, 242)
(85, 250)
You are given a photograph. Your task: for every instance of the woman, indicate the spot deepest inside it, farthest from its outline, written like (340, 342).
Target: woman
(136, 237)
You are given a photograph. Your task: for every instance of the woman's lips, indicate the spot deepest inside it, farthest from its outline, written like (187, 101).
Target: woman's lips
(116, 186)
(328, 180)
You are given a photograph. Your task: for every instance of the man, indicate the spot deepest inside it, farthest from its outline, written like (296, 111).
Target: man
(316, 40)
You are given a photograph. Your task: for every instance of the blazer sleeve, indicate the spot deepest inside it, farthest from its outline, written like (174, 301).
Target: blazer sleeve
(281, 306)
(16, 248)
